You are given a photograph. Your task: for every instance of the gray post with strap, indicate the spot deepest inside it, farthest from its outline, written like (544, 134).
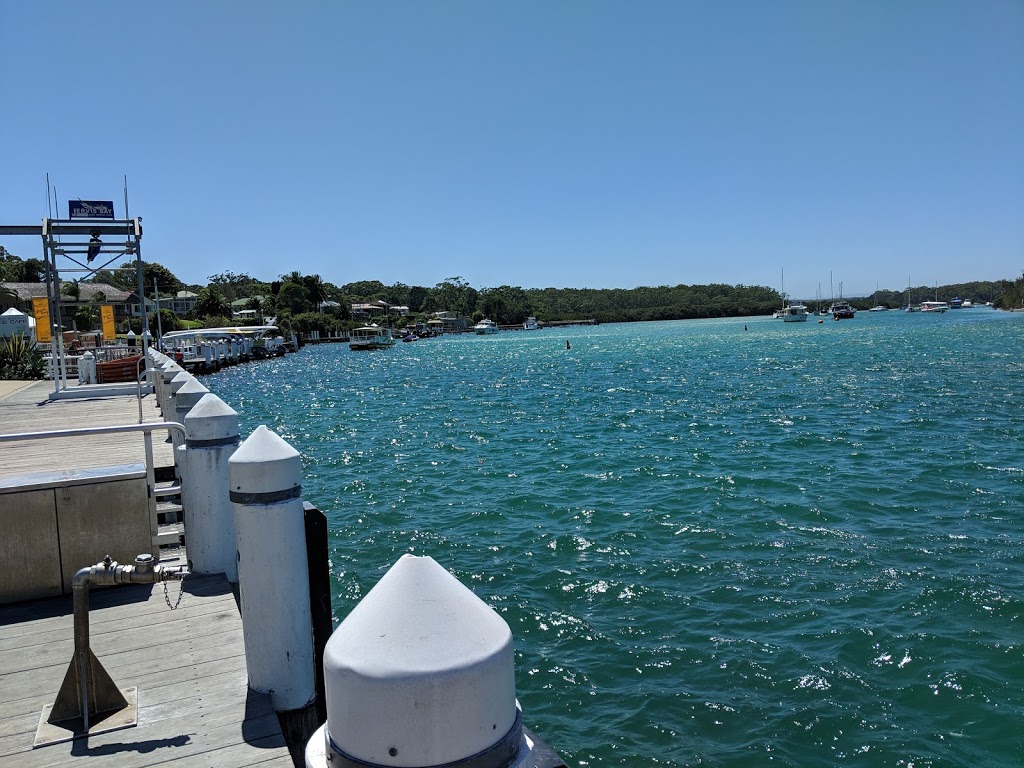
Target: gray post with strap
(273, 574)
(212, 429)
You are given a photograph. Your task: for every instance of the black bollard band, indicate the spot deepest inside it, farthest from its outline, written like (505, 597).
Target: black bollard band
(215, 442)
(269, 497)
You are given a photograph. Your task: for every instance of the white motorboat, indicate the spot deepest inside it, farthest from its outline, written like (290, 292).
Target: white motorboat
(370, 337)
(265, 340)
(485, 326)
(934, 306)
(841, 310)
(794, 313)
(530, 324)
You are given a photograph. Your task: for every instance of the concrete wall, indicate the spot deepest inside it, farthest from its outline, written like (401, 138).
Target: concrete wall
(54, 523)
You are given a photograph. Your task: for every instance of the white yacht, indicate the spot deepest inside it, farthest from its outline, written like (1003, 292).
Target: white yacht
(530, 324)
(794, 313)
(485, 326)
(934, 306)
(370, 337)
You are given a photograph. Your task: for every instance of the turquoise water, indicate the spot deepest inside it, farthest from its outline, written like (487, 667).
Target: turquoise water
(798, 543)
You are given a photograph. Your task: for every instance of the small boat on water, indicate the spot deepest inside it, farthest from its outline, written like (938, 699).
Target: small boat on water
(370, 337)
(794, 313)
(530, 324)
(841, 310)
(485, 326)
(934, 306)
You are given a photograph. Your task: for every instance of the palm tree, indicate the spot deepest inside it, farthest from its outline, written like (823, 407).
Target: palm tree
(212, 303)
(317, 289)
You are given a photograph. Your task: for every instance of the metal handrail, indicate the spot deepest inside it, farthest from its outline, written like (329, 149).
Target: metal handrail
(151, 426)
(138, 385)
(147, 429)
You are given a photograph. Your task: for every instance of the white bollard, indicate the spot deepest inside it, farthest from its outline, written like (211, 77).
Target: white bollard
(212, 427)
(180, 378)
(273, 574)
(420, 673)
(87, 368)
(167, 373)
(186, 396)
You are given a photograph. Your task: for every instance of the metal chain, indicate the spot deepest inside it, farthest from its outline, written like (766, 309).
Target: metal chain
(167, 599)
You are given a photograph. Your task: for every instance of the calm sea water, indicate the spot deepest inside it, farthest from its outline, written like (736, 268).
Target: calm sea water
(797, 543)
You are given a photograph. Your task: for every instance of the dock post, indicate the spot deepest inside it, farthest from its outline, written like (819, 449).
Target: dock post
(265, 474)
(168, 370)
(212, 429)
(177, 382)
(421, 672)
(187, 395)
(87, 368)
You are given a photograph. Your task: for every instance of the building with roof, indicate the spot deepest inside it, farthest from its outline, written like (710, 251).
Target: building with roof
(180, 303)
(20, 295)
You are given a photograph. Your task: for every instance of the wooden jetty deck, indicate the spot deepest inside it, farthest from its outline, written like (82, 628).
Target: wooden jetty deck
(26, 407)
(194, 705)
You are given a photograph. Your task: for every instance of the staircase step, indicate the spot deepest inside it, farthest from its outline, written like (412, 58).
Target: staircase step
(161, 491)
(170, 534)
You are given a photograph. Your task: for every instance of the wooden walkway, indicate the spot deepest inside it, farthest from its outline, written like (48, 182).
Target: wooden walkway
(195, 708)
(194, 704)
(26, 407)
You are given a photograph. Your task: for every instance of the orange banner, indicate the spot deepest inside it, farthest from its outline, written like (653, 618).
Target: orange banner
(107, 316)
(41, 311)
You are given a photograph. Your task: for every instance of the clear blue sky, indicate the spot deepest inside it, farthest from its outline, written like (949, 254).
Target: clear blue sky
(566, 144)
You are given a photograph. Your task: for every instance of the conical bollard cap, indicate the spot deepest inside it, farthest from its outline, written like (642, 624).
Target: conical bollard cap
(211, 419)
(264, 464)
(421, 672)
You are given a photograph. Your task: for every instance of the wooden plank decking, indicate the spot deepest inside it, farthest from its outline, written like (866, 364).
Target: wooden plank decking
(194, 705)
(195, 708)
(27, 408)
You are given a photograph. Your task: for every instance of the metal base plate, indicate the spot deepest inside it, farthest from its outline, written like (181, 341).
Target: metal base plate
(67, 730)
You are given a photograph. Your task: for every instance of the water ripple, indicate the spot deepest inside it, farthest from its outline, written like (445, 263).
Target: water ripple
(798, 545)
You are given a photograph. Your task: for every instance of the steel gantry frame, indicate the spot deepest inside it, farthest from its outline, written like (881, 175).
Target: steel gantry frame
(89, 240)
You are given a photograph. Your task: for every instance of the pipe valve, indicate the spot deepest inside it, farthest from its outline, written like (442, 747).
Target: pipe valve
(109, 571)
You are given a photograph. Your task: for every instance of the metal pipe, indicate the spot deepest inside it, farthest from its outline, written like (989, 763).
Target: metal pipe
(138, 382)
(107, 572)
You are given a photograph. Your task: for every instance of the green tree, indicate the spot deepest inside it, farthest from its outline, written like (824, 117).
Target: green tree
(167, 283)
(365, 290)
(452, 295)
(294, 297)
(316, 288)
(87, 317)
(12, 268)
(233, 286)
(211, 303)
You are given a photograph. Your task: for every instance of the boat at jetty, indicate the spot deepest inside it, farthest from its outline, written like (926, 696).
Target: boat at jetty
(184, 346)
(530, 324)
(485, 326)
(370, 337)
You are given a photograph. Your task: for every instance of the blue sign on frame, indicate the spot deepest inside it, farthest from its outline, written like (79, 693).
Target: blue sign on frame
(91, 209)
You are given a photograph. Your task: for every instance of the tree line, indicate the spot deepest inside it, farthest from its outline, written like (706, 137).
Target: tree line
(304, 303)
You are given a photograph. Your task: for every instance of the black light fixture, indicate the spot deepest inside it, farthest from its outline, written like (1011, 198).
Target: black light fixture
(94, 246)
